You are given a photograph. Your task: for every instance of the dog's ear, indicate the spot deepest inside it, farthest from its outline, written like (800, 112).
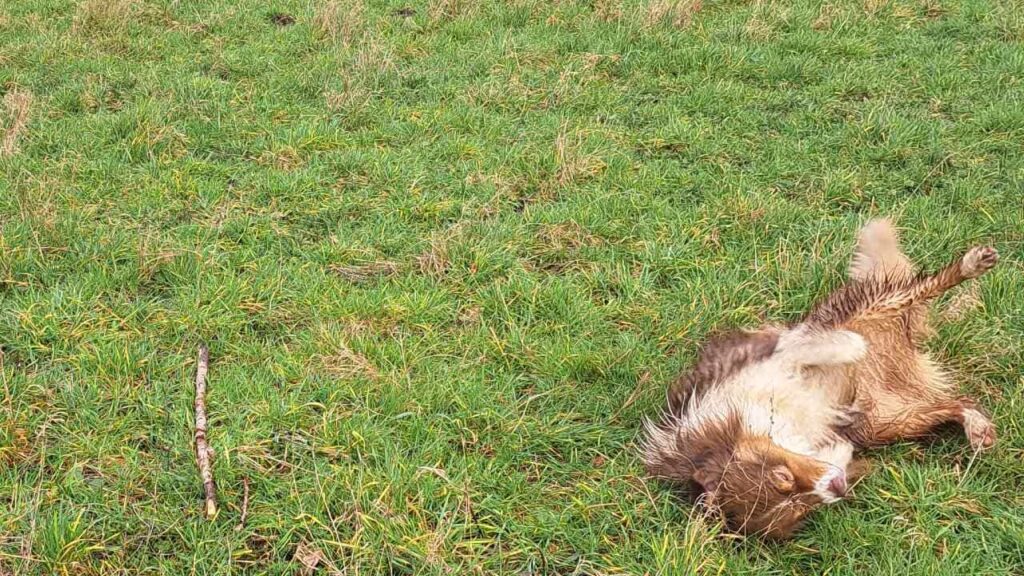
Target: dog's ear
(782, 478)
(708, 478)
(698, 458)
(716, 445)
(705, 484)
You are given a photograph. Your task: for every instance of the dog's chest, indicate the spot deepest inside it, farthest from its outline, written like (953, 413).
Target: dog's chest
(774, 400)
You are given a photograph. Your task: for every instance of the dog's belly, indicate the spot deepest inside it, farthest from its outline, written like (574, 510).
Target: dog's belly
(894, 387)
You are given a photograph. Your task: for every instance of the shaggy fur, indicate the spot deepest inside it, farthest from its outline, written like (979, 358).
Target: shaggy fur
(764, 426)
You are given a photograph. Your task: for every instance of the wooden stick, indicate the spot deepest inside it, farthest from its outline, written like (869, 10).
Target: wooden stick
(245, 503)
(203, 451)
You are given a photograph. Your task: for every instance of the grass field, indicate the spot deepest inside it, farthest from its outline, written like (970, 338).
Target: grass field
(447, 255)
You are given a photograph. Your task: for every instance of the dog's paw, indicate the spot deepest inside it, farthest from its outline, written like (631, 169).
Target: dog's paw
(856, 344)
(844, 346)
(979, 260)
(980, 431)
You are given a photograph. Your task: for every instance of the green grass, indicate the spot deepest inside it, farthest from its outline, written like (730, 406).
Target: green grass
(448, 256)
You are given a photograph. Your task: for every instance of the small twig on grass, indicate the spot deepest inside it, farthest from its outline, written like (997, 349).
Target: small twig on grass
(245, 503)
(203, 451)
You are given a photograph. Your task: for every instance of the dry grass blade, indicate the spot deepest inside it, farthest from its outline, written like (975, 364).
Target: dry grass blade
(245, 504)
(17, 105)
(434, 261)
(308, 557)
(347, 363)
(358, 273)
(566, 236)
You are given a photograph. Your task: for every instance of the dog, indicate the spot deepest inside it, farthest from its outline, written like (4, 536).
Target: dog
(764, 426)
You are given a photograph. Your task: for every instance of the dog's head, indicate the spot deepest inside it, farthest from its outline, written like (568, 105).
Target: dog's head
(767, 490)
(759, 487)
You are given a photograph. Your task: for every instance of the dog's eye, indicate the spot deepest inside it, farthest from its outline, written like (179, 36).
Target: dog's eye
(782, 478)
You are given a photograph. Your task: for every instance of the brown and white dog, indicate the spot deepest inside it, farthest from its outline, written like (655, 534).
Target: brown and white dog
(765, 424)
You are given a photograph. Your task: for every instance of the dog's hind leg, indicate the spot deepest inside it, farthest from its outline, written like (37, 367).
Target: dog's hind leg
(858, 302)
(917, 420)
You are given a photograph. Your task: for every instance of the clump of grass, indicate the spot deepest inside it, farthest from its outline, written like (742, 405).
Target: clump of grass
(17, 107)
(572, 163)
(678, 13)
(444, 10)
(934, 9)
(351, 98)
(367, 69)
(108, 16)
(1010, 23)
(826, 16)
(433, 262)
(340, 21)
(556, 247)
(765, 20)
(285, 158)
(346, 363)
(962, 303)
(872, 8)
(608, 10)
(566, 236)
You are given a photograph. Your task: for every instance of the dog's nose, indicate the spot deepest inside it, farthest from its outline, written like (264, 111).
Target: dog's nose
(838, 486)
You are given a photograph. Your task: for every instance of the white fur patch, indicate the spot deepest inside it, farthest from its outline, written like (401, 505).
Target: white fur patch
(838, 454)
